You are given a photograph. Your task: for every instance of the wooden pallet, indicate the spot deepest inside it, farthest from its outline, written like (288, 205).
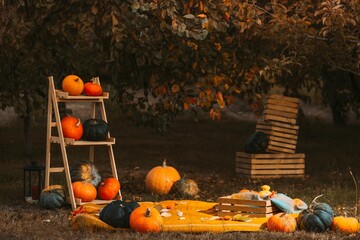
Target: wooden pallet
(282, 136)
(270, 165)
(253, 208)
(281, 109)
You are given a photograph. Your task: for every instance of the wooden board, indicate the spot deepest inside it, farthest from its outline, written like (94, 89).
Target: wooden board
(253, 208)
(270, 165)
(281, 109)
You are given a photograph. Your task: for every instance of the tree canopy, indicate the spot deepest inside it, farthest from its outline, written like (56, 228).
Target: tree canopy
(167, 56)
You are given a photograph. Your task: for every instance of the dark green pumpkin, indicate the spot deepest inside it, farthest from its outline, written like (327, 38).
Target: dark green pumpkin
(95, 130)
(117, 213)
(256, 143)
(52, 197)
(85, 171)
(317, 218)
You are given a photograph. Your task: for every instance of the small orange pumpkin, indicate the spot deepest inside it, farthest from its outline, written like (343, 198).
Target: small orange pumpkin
(161, 179)
(84, 191)
(146, 219)
(73, 85)
(108, 189)
(92, 89)
(281, 222)
(345, 224)
(72, 127)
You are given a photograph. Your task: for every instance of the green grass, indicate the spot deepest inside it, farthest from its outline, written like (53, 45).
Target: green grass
(203, 150)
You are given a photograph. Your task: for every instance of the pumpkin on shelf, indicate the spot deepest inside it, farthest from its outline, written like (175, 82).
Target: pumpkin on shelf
(92, 89)
(146, 219)
(85, 171)
(95, 129)
(72, 127)
(316, 218)
(281, 222)
(84, 191)
(52, 197)
(117, 213)
(73, 85)
(160, 179)
(108, 189)
(186, 187)
(345, 224)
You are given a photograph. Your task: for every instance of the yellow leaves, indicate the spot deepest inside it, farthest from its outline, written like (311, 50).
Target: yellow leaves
(220, 99)
(217, 46)
(215, 114)
(194, 46)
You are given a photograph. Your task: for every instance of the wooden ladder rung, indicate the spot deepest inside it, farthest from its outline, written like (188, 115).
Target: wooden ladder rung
(56, 169)
(53, 124)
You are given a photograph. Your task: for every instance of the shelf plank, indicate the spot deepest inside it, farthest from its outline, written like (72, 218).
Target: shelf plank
(64, 96)
(72, 142)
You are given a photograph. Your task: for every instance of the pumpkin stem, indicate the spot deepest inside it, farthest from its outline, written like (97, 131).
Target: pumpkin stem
(78, 123)
(147, 213)
(164, 163)
(313, 202)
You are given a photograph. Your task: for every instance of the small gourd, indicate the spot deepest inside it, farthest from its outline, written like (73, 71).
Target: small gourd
(345, 224)
(72, 127)
(281, 222)
(52, 197)
(92, 89)
(85, 171)
(108, 189)
(186, 187)
(84, 191)
(146, 219)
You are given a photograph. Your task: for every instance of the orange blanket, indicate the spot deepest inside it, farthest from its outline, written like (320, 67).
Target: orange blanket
(197, 216)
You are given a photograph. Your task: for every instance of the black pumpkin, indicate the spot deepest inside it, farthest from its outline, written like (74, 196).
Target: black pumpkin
(52, 197)
(257, 143)
(85, 171)
(317, 218)
(95, 130)
(117, 213)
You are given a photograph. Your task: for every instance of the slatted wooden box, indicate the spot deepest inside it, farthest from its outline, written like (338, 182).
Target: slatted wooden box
(282, 136)
(281, 109)
(254, 208)
(270, 165)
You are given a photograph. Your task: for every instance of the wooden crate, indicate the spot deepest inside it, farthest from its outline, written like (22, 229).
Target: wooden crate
(254, 208)
(282, 136)
(281, 109)
(270, 165)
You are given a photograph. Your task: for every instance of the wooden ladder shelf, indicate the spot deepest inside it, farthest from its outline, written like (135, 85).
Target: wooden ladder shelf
(54, 97)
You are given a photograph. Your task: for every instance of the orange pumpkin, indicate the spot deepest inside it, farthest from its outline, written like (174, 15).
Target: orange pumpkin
(345, 224)
(84, 191)
(73, 85)
(146, 219)
(108, 189)
(92, 89)
(161, 179)
(281, 222)
(72, 127)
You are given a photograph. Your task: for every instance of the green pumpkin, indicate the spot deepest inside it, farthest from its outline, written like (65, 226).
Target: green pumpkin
(117, 213)
(85, 171)
(257, 143)
(95, 130)
(52, 197)
(186, 187)
(317, 218)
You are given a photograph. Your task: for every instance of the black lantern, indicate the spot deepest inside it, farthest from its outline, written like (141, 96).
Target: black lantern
(33, 182)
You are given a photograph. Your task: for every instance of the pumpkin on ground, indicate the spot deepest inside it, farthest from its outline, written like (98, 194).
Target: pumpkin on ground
(256, 143)
(92, 89)
(85, 171)
(146, 219)
(73, 85)
(281, 222)
(108, 189)
(84, 191)
(186, 187)
(117, 213)
(161, 179)
(345, 224)
(52, 197)
(316, 218)
(95, 129)
(72, 127)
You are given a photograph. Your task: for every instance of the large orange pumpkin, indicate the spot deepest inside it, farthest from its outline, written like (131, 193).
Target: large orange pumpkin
(73, 85)
(161, 179)
(345, 224)
(84, 190)
(108, 189)
(92, 89)
(281, 222)
(146, 219)
(72, 127)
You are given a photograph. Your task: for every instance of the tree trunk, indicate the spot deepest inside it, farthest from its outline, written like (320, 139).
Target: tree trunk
(28, 140)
